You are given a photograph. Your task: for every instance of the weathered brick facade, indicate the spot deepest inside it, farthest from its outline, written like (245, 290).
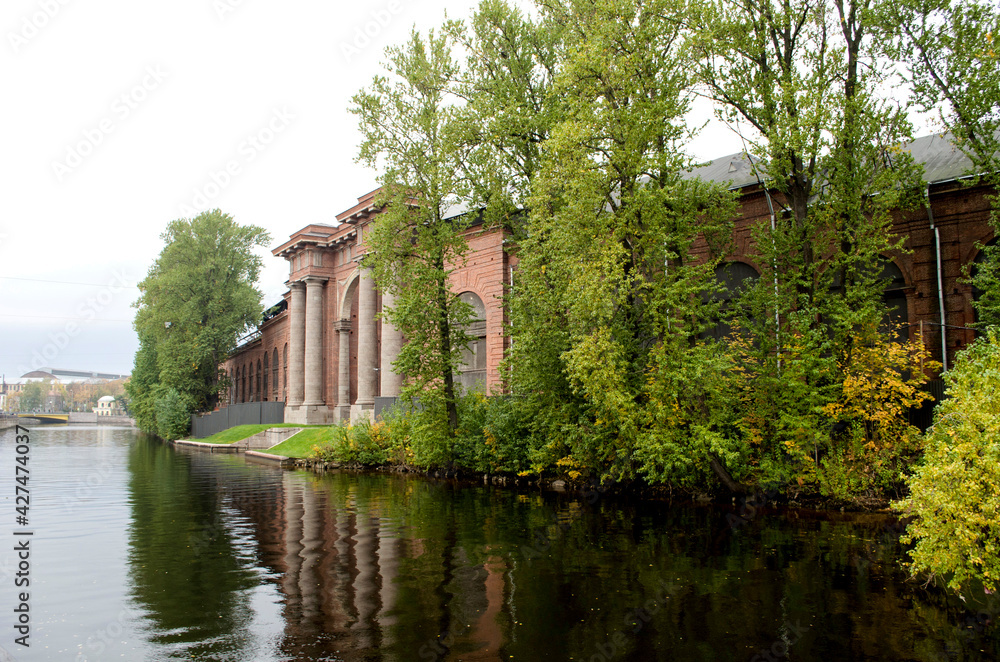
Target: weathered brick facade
(326, 258)
(329, 256)
(955, 215)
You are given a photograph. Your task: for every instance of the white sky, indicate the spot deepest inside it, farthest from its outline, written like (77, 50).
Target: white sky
(116, 115)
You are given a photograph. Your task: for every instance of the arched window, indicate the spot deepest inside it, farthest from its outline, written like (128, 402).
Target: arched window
(735, 278)
(264, 392)
(274, 374)
(980, 259)
(472, 374)
(256, 387)
(250, 394)
(284, 372)
(897, 315)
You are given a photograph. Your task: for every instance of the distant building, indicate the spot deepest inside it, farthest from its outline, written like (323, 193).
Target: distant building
(10, 393)
(108, 406)
(71, 376)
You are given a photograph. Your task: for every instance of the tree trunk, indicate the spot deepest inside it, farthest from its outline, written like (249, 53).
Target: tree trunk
(720, 471)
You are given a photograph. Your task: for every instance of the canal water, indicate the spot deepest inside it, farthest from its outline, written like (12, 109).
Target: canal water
(145, 552)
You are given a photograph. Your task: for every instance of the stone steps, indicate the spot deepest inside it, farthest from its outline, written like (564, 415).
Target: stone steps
(266, 439)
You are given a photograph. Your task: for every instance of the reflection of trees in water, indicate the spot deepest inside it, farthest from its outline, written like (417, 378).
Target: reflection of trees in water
(183, 568)
(393, 568)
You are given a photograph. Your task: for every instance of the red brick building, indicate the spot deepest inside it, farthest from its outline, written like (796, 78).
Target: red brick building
(323, 352)
(940, 239)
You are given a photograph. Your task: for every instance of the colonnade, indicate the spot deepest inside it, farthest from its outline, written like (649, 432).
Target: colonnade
(375, 377)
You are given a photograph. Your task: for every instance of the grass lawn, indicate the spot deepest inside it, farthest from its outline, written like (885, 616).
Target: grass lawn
(301, 444)
(242, 432)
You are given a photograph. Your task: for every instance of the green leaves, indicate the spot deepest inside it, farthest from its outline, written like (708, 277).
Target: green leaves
(197, 299)
(410, 128)
(952, 61)
(607, 276)
(955, 493)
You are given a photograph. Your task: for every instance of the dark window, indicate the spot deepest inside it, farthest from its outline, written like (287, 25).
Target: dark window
(735, 278)
(894, 297)
(274, 374)
(472, 374)
(980, 258)
(267, 372)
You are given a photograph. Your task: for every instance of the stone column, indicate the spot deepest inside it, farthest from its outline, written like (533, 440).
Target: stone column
(392, 342)
(343, 328)
(314, 342)
(296, 343)
(367, 340)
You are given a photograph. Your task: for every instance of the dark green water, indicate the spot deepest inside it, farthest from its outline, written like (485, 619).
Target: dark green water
(143, 552)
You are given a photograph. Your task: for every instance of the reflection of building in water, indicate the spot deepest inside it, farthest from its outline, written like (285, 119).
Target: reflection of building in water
(340, 565)
(340, 559)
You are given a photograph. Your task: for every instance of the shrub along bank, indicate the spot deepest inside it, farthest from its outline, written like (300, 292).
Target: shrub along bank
(856, 446)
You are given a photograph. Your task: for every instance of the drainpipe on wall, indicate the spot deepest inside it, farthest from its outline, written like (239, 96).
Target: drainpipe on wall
(940, 283)
(511, 320)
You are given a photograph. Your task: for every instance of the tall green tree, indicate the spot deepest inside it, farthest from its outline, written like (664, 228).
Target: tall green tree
(509, 110)
(408, 122)
(951, 58)
(950, 52)
(800, 81)
(197, 299)
(606, 309)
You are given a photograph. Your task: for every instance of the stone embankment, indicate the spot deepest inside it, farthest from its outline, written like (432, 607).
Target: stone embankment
(75, 418)
(91, 418)
(252, 445)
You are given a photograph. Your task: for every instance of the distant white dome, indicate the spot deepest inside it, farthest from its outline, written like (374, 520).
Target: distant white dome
(107, 398)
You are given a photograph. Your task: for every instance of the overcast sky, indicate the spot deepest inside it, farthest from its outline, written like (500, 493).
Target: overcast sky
(120, 116)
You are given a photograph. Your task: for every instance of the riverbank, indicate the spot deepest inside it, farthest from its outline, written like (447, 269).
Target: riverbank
(298, 448)
(749, 500)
